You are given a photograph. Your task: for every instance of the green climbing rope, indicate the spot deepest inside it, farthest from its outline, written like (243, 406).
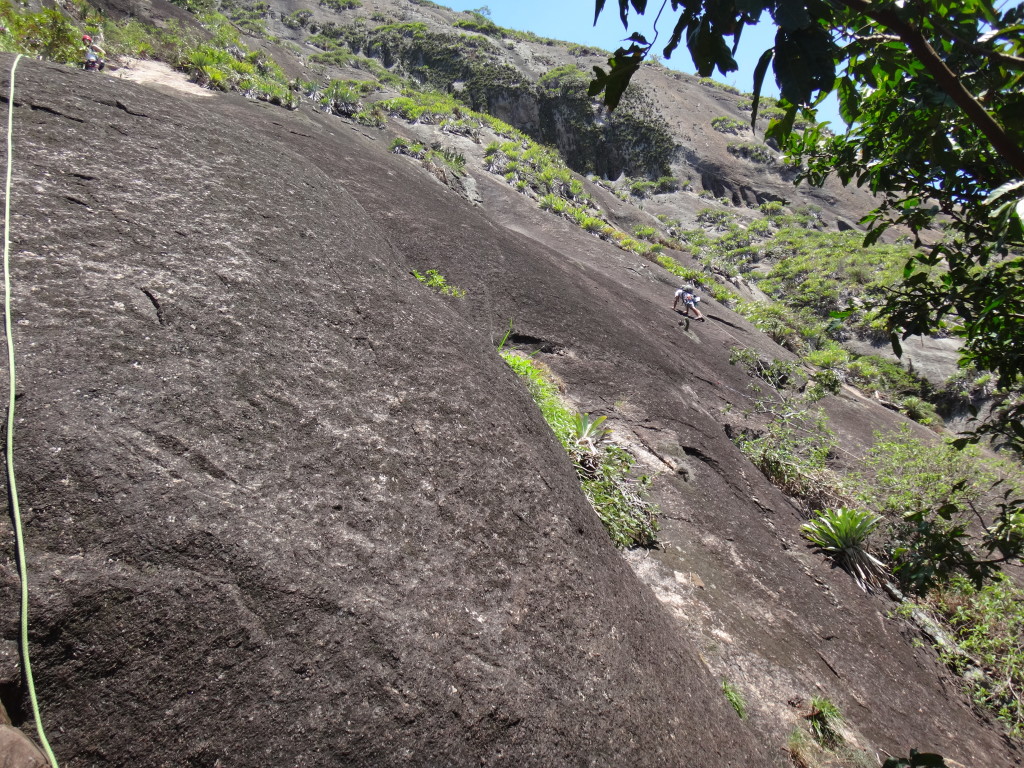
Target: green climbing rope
(15, 509)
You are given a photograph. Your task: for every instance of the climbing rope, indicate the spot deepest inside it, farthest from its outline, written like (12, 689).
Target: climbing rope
(19, 536)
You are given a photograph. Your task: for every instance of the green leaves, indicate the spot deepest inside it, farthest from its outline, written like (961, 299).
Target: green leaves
(587, 432)
(759, 72)
(842, 534)
(605, 472)
(804, 63)
(1007, 208)
(622, 66)
(434, 279)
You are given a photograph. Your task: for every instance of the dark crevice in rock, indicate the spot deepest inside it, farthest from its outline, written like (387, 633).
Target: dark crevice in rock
(76, 201)
(541, 345)
(122, 106)
(37, 108)
(697, 453)
(156, 305)
(12, 696)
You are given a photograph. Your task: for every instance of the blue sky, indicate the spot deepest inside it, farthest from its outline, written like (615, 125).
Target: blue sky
(572, 20)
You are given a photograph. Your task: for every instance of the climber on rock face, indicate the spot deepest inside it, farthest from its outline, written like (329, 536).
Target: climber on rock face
(688, 296)
(93, 54)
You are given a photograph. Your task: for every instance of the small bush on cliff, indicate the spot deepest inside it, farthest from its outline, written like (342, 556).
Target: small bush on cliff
(480, 23)
(340, 5)
(793, 450)
(786, 327)
(341, 97)
(297, 19)
(725, 124)
(642, 188)
(735, 699)
(423, 107)
(434, 279)
(248, 17)
(826, 722)
(710, 83)
(753, 151)
(714, 217)
(778, 374)
(987, 625)
(918, 409)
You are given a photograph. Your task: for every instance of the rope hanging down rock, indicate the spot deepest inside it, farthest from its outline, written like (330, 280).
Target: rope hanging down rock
(12, 488)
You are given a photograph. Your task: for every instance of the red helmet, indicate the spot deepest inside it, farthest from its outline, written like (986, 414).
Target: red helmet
(86, 39)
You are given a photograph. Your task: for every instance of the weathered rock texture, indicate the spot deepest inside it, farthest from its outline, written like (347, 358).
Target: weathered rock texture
(286, 506)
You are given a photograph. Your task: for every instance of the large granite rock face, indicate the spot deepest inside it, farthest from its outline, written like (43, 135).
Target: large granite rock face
(283, 505)
(286, 506)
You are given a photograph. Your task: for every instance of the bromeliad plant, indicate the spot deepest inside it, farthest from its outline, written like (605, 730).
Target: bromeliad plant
(587, 432)
(842, 534)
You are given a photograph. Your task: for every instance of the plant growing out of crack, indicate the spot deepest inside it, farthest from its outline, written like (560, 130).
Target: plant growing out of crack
(825, 721)
(605, 470)
(587, 432)
(434, 279)
(735, 698)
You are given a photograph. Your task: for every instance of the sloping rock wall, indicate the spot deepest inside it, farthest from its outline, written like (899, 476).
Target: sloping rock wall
(283, 506)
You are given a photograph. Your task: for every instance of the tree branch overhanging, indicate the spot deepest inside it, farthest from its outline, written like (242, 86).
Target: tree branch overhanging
(918, 44)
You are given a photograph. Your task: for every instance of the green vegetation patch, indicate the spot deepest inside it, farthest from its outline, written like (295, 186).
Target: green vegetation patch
(341, 5)
(753, 151)
(247, 17)
(987, 625)
(434, 157)
(842, 534)
(481, 24)
(297, 19)
(434, 279)
(435, 60)
(605, 470)
(933, 498)
(793, 451)
(735, 699)
(48, 34)
(725, 124)
(710, 83)
(227, 64)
